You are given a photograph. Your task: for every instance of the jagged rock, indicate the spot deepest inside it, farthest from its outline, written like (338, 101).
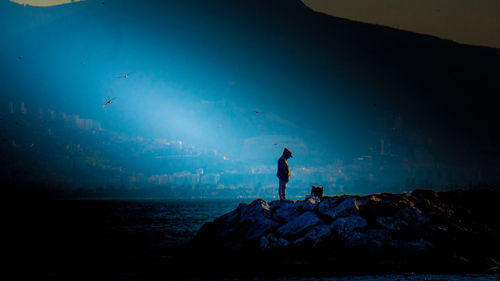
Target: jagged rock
(389, 226)
(232, 216)
(367, 199)
(270, 241)
(349, 224)
(255, 211)
(314, 236)
(307, 205)
(378, 236)
(392, 223)
(338, 207)
(420, 244)
(299, 224)
(424, 194)
(285, 213)
(412, 215)
(274, 205)
(259, 227)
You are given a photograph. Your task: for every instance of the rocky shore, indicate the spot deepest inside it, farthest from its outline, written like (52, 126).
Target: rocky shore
(425, 231)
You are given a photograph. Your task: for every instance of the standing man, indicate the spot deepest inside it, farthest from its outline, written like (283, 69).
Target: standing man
(283, 172)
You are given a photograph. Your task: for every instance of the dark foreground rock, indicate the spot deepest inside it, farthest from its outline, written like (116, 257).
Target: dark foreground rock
(455, 231)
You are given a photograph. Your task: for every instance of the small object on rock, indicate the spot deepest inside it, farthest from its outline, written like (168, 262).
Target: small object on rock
(317, 191)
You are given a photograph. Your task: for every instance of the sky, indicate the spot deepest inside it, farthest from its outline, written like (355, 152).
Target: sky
(211, 93)
(465, 21)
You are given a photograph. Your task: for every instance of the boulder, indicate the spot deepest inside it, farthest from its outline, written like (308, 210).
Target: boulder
(307, 205)
(338, 207)
(255, 211)
(386, 228)
(233, 216)
(345, 226)
(259, 227)
(274, 205)
(299, 224)
(412, 215)
(270, 241)
(314, 236)
(391, 223)
(285, 213)
(366, 200)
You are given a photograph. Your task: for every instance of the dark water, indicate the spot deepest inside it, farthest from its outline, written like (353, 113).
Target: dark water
(117, 240)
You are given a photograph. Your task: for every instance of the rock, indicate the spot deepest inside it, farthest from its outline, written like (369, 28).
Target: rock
(412, 215)
(259, 227)
(350, 229)
(424, 194)
(232, 216)
(419, 245)
(382, 235)
(338, 207)
(423, 228)
(392, 223)
(412, 246)
(274, 205)
(299, 224)
(307, 205)
(314, 236)
(257, 210)
(270, 241)
(345, 226)
(356, 239)
(367, 199)
(285, 213)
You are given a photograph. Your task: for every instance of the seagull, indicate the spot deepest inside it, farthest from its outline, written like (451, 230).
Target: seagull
(124, 76)
(257, 111)
(108, 101)
(20, 57)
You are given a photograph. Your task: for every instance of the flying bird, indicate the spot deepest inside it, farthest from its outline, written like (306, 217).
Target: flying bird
(124, 76)
(257, 111)
(83, 63)
(108, 101)
(20, 57)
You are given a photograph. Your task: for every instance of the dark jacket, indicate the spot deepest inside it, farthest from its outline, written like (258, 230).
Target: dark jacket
(283, 172)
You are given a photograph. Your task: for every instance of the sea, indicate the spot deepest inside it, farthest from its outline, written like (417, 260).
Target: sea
(122, 239)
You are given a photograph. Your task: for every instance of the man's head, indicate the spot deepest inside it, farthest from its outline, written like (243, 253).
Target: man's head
(287, 153)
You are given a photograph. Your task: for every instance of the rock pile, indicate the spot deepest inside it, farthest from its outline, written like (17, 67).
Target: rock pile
(447, 229)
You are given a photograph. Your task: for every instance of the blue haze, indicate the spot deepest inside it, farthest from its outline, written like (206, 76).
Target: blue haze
(196, 74)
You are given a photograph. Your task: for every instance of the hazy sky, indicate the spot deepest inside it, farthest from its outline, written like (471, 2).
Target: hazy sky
(235, 82)
(473, 22)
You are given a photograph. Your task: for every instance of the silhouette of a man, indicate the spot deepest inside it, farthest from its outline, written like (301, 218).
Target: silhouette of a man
(283, 172)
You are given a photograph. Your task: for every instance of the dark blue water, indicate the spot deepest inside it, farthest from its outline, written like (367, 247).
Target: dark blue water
(119, 240)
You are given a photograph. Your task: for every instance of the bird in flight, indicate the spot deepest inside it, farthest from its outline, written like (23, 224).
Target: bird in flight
(83, 63)
(20, 57)
(257, 111)
(108, 101)
(124, 76)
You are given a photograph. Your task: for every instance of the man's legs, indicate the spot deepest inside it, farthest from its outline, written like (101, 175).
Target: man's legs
(282, 189)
